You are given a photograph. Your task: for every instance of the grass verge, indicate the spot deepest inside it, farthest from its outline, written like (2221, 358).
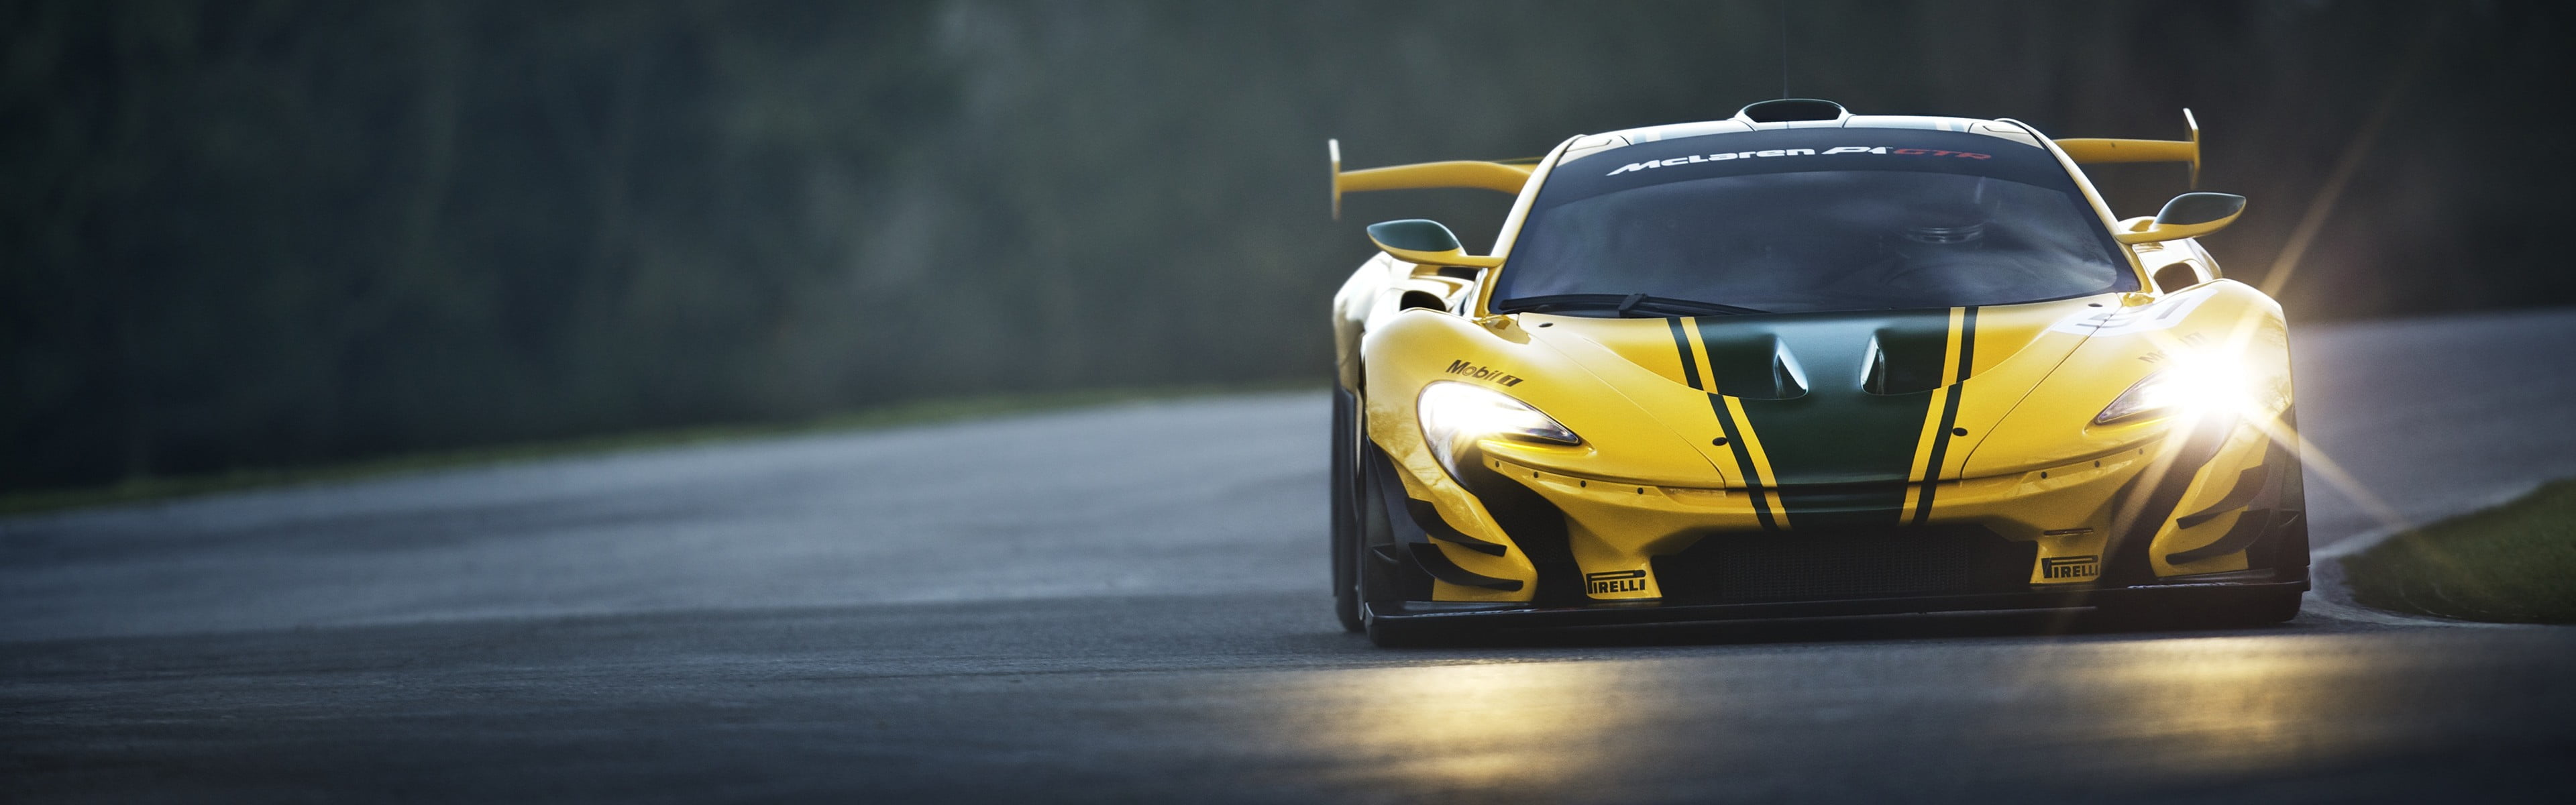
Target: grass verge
(2515, 563)
(924, 412)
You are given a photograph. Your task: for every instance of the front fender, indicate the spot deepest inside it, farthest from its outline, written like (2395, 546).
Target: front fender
(1623, 447)
(2219, 482)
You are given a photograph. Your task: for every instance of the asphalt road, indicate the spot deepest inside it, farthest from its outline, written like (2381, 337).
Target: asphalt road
(1128, 603)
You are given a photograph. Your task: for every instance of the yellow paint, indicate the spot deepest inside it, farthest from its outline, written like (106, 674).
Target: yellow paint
(1469, 174)
(2089, 151)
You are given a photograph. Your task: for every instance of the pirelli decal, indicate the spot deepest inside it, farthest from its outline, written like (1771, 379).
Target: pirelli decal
(2060, 568)
(1621, 581)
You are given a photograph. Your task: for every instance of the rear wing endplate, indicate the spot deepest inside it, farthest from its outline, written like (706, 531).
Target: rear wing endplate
(2093, 150)
(1502, 177)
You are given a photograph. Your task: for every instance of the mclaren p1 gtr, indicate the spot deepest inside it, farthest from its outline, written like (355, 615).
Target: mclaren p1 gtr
(1806, 363)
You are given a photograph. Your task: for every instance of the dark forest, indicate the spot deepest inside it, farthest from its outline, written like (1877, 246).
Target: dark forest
(252, 234)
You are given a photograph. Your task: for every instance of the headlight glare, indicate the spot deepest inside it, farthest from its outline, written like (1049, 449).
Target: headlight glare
(2196, 384)
(1454, 415)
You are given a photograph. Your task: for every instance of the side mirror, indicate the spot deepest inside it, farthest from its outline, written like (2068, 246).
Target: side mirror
(1427, 242)
(2189, 215)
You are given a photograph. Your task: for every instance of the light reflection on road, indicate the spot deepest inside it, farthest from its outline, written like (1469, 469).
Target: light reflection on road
(2226, 705)
(2071, 713)
(1505, 726)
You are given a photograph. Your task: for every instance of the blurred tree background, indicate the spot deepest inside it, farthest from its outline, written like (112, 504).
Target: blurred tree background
(240, 234)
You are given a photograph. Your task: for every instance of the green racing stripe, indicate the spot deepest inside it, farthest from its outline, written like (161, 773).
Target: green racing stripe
(1839, 454)
(1949, 416)
(1726, 425)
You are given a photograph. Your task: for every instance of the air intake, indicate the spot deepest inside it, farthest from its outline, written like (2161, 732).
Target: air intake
(1806, 566)
(1792, 110)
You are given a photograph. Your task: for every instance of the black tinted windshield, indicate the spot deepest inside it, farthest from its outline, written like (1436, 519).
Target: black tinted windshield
(1809, 220)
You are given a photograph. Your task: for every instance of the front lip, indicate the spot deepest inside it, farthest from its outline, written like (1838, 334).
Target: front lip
(1638, 613)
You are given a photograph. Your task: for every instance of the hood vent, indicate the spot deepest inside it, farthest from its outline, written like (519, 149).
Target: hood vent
(1755, 366)
(1905, 361)
(1786, 380)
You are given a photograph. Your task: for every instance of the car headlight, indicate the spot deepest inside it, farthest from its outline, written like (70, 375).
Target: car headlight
(2197, 384)
(1454, 415)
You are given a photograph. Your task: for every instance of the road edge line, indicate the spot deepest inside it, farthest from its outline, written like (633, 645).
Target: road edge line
(2328, 595)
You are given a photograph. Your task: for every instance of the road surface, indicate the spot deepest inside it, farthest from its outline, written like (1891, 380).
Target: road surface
(1129, 603)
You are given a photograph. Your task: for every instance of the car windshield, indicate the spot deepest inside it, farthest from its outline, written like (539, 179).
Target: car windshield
(1809, 220)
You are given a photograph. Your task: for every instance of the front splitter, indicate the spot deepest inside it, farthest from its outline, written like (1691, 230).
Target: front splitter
(1480, 616)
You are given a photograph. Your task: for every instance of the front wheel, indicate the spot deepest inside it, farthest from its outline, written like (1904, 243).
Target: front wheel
(1346, 528)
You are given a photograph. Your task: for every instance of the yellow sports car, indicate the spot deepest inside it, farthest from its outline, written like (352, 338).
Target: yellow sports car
(1803, 363)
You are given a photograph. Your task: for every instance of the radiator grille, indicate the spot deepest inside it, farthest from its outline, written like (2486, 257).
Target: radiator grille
(1743, 568)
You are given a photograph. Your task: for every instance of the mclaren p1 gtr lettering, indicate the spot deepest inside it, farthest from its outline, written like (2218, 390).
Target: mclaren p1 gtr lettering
(1794, 152)
(1842, 384)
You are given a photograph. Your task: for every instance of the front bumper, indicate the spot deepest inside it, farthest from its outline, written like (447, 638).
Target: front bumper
(2214, 502)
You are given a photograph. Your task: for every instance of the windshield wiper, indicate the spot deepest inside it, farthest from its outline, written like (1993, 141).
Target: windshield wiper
(1626, 305)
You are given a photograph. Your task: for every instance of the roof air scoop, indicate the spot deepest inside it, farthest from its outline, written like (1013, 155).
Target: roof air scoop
(1791, 110)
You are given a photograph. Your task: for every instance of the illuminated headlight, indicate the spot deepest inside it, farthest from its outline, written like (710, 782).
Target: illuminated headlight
(2197, 384)
(1454, 415)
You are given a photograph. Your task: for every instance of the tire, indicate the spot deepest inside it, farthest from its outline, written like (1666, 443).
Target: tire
(1346, 526)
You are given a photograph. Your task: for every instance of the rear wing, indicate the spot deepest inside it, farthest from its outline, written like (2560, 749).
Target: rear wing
(1503, 177)
(1510, 176)
(2086, 151)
